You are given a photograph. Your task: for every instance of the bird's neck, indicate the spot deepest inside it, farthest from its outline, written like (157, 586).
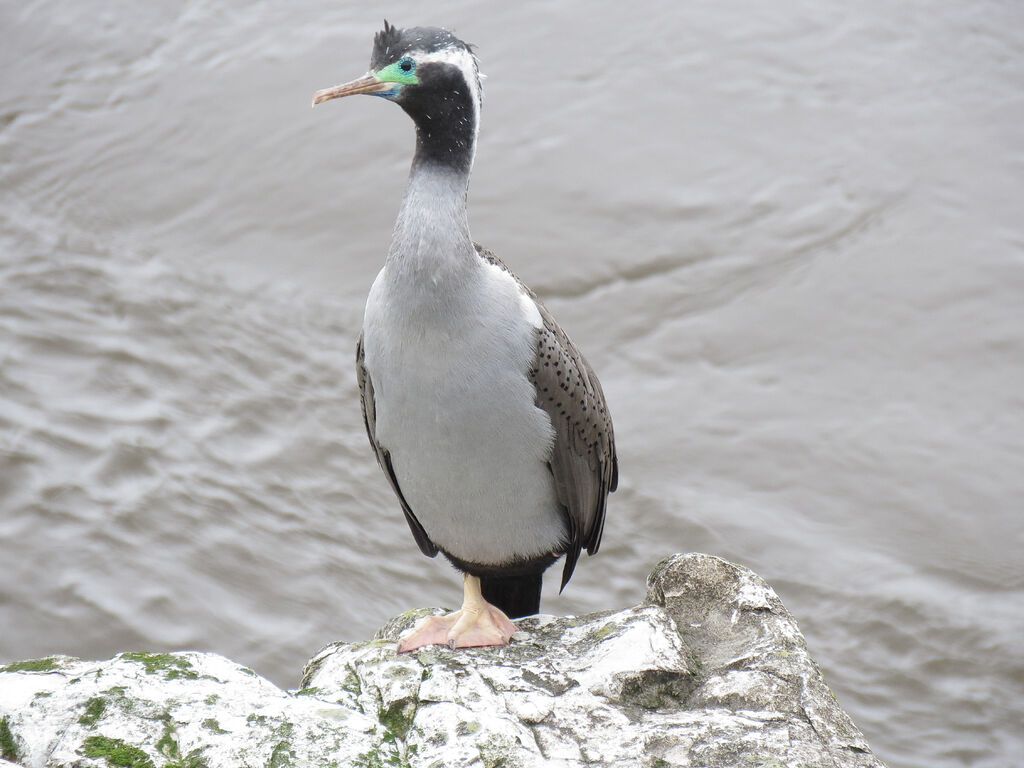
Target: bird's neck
(431, 243)
(431, 239)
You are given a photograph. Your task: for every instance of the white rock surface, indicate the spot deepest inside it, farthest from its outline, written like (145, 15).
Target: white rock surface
(710, 671)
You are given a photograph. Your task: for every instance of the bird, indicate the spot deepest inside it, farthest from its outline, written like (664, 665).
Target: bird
(490, 425)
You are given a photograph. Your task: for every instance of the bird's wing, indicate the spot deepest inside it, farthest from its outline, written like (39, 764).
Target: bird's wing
(583, 460)
(426, 546)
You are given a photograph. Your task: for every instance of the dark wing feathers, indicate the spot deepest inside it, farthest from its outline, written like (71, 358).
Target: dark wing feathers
(383, 456)
(583, 460)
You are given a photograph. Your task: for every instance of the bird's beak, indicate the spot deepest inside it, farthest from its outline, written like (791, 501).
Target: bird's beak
(368, 83)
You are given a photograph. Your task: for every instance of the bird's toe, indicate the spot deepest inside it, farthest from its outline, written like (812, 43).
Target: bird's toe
(467, 628)
(433, 630)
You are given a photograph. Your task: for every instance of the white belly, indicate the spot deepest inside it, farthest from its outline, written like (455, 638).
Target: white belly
(456, 410)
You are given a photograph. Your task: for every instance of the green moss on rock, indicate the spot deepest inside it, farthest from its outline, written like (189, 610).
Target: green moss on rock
(117, 752)
(213, 725)
(116, 696)
(351, 683)
(172, 665)
(8, 746)
(94, 709)
(368, 760)
(48, 664)
(398, 717)
(167, 745)
(282, 757)
(191, 760)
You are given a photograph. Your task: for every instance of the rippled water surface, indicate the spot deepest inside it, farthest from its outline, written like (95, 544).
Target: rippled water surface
(789, 239)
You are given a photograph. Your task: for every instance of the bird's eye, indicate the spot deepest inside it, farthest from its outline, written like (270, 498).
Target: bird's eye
(407, 64)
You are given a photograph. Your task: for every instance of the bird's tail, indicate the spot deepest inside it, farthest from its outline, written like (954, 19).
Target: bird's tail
(517, 596)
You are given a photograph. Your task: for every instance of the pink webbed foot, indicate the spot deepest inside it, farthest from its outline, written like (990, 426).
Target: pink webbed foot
(476, 624)
(462, 629)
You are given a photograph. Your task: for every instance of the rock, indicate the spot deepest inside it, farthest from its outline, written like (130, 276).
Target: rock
(710, 671)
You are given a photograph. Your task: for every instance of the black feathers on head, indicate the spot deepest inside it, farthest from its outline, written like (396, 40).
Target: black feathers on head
(386, 46)
(444, 100)
(391, 43)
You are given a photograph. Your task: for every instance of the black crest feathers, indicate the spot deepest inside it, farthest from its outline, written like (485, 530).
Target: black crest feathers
(387, 43)
(392, 42)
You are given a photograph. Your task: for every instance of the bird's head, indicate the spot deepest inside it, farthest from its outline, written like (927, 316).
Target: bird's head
(429, 72)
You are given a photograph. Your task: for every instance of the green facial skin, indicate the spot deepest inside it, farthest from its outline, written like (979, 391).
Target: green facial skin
(393, 73)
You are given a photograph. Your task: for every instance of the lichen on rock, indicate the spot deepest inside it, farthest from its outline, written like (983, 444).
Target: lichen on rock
(710, 671)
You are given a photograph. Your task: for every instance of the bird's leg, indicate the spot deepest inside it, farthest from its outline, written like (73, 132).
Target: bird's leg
(477, 623)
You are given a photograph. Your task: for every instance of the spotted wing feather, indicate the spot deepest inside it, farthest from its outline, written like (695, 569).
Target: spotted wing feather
(583, 461)
(427, 547)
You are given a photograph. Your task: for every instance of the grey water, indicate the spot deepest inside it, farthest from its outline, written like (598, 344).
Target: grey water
(789, 238)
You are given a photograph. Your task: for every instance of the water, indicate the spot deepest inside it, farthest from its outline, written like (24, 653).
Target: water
(788, 239)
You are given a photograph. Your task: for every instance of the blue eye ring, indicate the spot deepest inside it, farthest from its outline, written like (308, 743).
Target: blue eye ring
(407, 65)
